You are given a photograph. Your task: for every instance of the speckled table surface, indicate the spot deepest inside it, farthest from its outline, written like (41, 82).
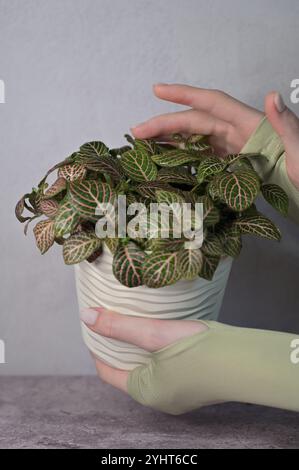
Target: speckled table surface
(82, 412)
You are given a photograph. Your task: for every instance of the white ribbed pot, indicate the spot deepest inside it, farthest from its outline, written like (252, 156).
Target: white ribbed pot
(97, 286)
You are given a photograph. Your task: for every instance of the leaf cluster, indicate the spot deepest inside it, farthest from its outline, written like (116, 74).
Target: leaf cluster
(148, 171)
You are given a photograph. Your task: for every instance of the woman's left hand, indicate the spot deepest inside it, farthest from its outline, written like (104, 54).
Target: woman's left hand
(195, 364)
(146, 333)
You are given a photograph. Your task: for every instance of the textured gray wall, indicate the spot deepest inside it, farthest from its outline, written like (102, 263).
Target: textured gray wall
(78, 70)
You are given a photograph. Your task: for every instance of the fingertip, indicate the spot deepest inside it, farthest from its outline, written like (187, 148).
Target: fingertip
(282, 119)
(135, 132)
(159, 88)
(136, 127)
(279, 103)
(89, 316)
(140, 131)
(270, 103)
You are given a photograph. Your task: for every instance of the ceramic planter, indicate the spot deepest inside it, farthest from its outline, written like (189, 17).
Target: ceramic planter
(97, 286)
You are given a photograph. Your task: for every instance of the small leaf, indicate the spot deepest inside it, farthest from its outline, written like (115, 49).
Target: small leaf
(148, 146)
(70, 159)
(239, 189)
(160, 269)
(189, 263)
(277, 197)
(176, 175)
(29, 222)
(177, 137)
(138, 166)
(148, 189)
(79, 247)
(44, 235)
(169, 197)
(211, 214)
(236, 157)
(209, 167)
(35, 199)
(165, 244)
(49, 207)
(173, 211)
(19, 209)
(108, 165)
(231, 241)
(197, 142)
(209, 266)
(191, 196)
(112, 244)
(258, 225)
(92, 149)
(87, 195)
(72, 172)
(56, 188)
(129, 139)
(212, 245)
(130, 199)
(66, 219)
(32, 200)
(128, 265)
(164, 222)
(212, 188)
(176, 157)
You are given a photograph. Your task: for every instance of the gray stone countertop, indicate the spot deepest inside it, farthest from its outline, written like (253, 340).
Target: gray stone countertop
(81, 412)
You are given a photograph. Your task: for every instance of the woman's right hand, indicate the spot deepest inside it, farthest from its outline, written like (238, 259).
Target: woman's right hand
(227, 121)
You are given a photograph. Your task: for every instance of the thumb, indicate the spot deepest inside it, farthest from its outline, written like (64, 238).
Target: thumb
(286, 124)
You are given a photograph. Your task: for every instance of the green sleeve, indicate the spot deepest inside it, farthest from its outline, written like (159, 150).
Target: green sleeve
(223, 363)
(272, 169)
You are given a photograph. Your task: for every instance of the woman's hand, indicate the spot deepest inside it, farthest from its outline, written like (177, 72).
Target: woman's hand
(203, 363)
(227, 121)
(146, 333)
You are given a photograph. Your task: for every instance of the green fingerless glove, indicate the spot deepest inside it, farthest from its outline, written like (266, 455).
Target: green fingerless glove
(273, 169)
(223, 363)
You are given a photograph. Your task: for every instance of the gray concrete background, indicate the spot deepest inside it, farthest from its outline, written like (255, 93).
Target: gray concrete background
(79, 70)
(83, 413)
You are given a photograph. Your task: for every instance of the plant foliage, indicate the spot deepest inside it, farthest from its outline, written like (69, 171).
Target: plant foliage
(147, 171)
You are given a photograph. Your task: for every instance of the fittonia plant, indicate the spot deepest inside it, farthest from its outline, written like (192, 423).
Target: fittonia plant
(148, 171)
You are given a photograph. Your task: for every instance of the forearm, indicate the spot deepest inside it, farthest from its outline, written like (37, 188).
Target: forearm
(272, 169)
(224, 363)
